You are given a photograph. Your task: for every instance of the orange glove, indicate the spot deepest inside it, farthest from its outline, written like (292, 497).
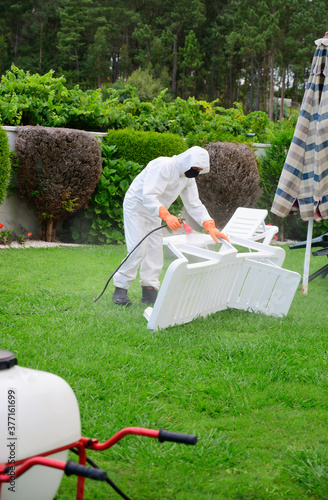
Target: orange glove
(172, 221)
(209, 226)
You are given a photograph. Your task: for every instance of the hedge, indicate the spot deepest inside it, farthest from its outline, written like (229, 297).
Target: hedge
(142, 147)
(4, 164)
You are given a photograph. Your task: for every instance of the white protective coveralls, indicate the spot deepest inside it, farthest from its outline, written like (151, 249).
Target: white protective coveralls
(159, 183)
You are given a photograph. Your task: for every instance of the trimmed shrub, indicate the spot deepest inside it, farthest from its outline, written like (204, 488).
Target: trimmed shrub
(232, 182)
(4, 164)
(142, 147)
(57, 173)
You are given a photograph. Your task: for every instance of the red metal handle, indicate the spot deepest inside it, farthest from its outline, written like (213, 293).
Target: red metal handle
(139, 431)
(30, 462)
(82, 444)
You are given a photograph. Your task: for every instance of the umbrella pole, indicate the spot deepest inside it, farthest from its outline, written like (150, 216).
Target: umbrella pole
(307, 258)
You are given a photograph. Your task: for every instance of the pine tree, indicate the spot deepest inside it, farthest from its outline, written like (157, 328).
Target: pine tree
(191, 62)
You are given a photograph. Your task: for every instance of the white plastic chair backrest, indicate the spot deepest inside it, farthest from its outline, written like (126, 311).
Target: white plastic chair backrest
(246, 222)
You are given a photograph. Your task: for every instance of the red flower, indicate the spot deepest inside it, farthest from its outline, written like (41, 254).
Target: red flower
(1, 225)
(29, 234)
(275, 237)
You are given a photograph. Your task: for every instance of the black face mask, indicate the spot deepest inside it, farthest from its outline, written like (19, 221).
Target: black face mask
(191, 173)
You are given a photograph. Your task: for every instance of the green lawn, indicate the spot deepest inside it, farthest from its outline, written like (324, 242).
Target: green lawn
(253, 388)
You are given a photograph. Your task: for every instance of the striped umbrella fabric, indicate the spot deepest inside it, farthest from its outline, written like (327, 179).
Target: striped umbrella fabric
(303, 184)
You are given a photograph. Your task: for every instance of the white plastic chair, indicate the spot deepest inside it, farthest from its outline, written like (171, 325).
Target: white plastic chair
(201, 281)
(245, 228)
(249, 223)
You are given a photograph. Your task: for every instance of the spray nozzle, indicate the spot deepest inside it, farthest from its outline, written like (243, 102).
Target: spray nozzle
(186, 226)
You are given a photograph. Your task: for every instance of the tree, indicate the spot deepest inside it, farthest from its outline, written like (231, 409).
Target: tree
(3, 48)
(42, 29)
(191, 62)
(241, 50)
(177, 17)
(298, 27)
(73, 14)
(17, 17)
(97, 53)
(252, 27)
(147, 88)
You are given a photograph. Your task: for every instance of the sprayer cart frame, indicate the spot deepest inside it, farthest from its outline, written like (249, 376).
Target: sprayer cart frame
(80, 469)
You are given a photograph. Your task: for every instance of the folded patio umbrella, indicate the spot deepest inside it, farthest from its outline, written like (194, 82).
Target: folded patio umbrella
(303, 184)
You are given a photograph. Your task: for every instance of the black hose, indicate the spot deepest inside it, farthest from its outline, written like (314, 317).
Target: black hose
(108, 481)
(126, 258)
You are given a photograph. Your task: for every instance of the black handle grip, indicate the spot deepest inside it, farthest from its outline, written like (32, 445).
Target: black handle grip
(176, 437)
(82, 470)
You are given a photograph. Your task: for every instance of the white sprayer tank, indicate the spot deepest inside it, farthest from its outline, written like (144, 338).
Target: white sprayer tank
(38, 413)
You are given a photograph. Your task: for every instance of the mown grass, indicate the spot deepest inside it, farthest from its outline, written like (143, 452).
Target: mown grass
(253, 388)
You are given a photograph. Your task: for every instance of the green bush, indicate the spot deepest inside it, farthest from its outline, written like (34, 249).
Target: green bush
(229, 125)
(203, 139)
(102, 222)
(146, 86)
(142, 147)
(258, 123)
(27, 99)
(4, 164)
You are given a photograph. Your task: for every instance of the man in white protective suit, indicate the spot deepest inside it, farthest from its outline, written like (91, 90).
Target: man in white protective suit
(146, 204)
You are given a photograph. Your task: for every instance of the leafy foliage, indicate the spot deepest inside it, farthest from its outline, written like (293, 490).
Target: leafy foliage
(271, 165)
(104, 215)
(224, 49)
(27, 99)
(4, 235)
(192, 62)
(4, 164)
(146, 87)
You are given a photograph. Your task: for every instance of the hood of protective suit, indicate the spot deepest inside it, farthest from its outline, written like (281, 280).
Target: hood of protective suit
(193, 157)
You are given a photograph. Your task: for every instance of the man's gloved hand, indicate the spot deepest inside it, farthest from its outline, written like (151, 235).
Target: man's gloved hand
(209, 226)
(172, 221)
